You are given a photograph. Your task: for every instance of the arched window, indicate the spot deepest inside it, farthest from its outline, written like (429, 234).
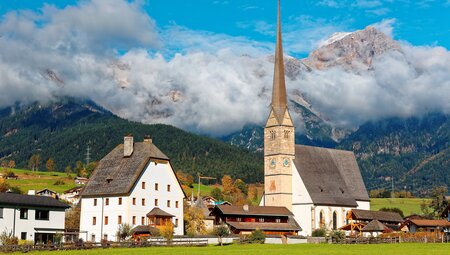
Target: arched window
(334, 220)
(286, 134)
(321, 220)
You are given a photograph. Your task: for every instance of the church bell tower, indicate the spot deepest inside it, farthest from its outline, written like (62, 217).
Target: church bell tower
(279, 137)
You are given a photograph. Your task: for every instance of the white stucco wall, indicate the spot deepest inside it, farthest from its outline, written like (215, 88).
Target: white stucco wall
(29, 225)
(160, 173)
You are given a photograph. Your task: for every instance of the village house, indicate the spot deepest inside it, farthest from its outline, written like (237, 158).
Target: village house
(48, 193)
(31, 218)
(373, 223)
(135, 184)
(273, 220)
(80, 180)
(425, 225)
(72, 195)
(319, 185)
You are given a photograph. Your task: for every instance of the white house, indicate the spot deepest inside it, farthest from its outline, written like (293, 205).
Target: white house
(319, 185)
(72, 195)
(134, 184)
(32, 218)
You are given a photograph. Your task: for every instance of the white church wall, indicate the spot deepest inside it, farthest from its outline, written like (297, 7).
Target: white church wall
(364, 205)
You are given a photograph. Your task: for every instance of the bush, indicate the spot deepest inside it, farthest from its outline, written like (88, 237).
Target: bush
(124, 231)
(257, 236)
(60, 181)
(7, 238)
(337, 235)
(320, 232)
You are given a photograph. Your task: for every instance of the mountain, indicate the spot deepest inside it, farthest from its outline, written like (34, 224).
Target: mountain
(414, 151)
(64, 129)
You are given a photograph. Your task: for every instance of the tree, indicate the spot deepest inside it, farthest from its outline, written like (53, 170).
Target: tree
(185, 178)
(194, 220)
(227, 185)
(79, 169)
(240, 184)
(34, 162)
(221, 231)
(68, 170)
(12, 164)
(167, 231)
(217, 193)
(124, 231)
(72, 219)
(4, 164)
(438, 202)
(252, 193)
(90, 168)
(50, 165)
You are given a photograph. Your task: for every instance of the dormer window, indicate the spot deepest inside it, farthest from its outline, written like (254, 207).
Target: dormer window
(109, 180)
(342, 190)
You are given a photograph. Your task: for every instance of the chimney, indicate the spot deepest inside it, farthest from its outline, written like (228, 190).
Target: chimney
(148, 139)
(245, 207)
(127, 145)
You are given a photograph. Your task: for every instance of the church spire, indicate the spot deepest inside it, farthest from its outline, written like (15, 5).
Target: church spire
(279, 98)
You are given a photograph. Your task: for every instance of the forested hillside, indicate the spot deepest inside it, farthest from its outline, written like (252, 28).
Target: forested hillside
(63, 130)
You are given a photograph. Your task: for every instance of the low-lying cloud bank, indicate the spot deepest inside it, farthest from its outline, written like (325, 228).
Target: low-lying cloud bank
(113, 53)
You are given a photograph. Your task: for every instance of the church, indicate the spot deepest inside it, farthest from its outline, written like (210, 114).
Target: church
(318, 185)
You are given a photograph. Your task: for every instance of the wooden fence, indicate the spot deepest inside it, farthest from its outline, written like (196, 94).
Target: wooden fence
(89, 245)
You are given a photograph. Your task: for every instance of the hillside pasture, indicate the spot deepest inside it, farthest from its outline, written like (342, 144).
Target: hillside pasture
(38, 180)
(407, 205)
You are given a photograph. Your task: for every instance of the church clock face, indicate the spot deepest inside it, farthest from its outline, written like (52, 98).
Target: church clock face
(286, 162)
(273, 163)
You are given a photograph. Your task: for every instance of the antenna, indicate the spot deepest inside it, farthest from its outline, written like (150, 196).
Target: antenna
(88, 154)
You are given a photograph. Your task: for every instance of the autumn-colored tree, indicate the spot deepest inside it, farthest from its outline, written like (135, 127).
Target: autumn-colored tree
(252, 193)
(68, 170)
(167, 231)
(185, 178)
(79, 169)
(72, 220)
(240, 184)
(12, 164)
(193, 218)
(4, 164)
(34, 162)
(50, 165)
(227, 185)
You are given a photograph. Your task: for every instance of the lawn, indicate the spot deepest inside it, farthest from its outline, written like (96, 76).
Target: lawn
(34, 180)
(407, 205)
(306, 249)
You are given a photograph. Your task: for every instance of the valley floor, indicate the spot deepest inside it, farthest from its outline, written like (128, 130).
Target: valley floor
(259, 249)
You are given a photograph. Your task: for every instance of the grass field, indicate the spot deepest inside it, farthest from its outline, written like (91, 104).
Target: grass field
(260, 249)
(407, 205)
(34, 180)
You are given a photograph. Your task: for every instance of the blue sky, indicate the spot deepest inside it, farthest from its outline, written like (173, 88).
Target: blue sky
(424, 22)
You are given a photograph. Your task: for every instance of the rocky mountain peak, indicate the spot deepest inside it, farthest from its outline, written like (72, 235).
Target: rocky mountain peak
(352, 51)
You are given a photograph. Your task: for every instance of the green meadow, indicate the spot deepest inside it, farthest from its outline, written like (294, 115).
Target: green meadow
(260, 249)
(407, 205)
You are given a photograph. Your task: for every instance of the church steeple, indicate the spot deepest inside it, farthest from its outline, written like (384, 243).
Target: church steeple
(279, 138)
(279, 98)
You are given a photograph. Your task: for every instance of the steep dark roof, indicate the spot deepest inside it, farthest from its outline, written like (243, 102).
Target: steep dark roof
(122, 172)
(159, 212)
(375, 226)
(143, 229)
(253, 210)
(332, 177)
(366, 215)
(11, 199)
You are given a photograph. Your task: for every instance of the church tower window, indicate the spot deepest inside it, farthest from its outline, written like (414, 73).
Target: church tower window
(286, 134)
(272, 135)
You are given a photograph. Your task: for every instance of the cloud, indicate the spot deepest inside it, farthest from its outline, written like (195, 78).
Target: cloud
(386, 26)
(197, 80)
(367, 3)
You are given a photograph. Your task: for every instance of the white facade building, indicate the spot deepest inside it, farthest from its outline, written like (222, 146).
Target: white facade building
(127, 184)
(31, 218)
